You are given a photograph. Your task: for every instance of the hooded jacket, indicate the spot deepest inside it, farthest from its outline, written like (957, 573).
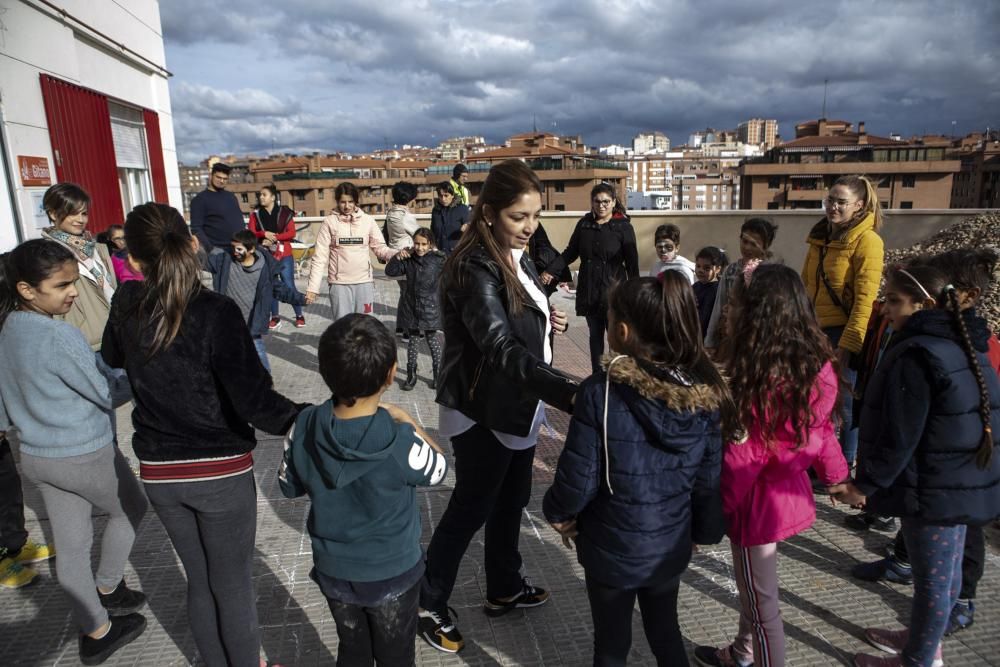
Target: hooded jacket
(361, 477)
(921, 427)
(419, 307)
(342, 251)
(269, 286)
(853, 267)
(400, 226)
(446, 225)
(643, 496)
(766, 490)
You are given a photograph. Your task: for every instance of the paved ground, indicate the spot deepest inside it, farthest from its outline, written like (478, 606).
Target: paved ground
(824, 610)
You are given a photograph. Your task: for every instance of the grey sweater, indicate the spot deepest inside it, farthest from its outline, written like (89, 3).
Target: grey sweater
(52, 392)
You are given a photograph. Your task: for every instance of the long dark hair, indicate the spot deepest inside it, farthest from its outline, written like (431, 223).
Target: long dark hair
(607, 188)
(504, 185)
(776, 353)
(667, 335)
(914, 277)
(31, 262)
(159, 239)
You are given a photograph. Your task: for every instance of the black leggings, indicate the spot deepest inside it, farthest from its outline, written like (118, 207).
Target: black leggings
(611, 610)
(973, 558)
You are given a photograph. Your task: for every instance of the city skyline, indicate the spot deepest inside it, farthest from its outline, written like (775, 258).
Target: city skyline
(360, 76)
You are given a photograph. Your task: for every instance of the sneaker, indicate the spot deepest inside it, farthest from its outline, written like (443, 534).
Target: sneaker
(274, 323)
(893, 642)
(530, 596)
(122, 600)
(33, 552)
(961, 617)
(15, 575)
(300, 322)
(888, 569)
(868, 521)
(438, 630)
(709, 656)
(123, 630)
(865, 660)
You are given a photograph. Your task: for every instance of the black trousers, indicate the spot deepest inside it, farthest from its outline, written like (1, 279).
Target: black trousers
(973, 558)
(611, 610)
(12, 532)
(598, 326)
(384, 634)
(492, 487)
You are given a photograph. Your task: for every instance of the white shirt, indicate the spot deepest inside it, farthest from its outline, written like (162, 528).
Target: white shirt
(451, 422)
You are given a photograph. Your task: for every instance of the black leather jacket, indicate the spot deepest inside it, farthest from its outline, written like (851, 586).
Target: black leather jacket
(492, 369)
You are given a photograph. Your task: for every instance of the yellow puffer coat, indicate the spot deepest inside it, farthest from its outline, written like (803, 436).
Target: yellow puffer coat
(853, 267)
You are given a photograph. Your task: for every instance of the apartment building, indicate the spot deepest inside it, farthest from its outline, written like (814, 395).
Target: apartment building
(798, 173)
(758, 132)
(650, 142)
(705, 184)
(977, 184)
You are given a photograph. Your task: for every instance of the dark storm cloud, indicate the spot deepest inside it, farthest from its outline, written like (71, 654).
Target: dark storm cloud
(359, 75)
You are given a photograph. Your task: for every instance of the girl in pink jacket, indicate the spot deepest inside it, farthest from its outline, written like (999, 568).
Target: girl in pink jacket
(783, 377)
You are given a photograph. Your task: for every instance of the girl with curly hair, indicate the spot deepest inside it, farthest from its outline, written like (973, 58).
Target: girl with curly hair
(783, 377)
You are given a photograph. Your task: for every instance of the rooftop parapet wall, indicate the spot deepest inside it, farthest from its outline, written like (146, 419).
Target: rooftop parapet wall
(902, 228)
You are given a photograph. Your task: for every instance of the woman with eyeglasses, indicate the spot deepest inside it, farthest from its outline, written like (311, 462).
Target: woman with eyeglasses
(604, 242)
(842, 272)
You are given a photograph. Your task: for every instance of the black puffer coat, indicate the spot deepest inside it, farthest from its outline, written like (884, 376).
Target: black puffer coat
(607, 254)
(921, 427)
(662, 460)
(420, 306)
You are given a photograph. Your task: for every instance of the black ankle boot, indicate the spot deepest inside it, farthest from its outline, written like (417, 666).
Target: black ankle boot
(433, 384)
(411, 379)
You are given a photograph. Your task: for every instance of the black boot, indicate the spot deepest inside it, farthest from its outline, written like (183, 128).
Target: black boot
(433, 384)
(411, 379)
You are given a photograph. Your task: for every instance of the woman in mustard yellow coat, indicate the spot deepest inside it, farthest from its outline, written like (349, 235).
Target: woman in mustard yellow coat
(842, 272)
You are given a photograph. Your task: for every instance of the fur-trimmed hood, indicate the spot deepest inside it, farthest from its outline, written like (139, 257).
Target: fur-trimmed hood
(678, 395)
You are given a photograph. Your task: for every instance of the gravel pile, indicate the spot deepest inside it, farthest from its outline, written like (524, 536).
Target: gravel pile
(976, 232)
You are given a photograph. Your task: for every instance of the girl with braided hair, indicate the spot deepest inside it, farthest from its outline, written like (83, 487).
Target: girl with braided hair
(929, 428)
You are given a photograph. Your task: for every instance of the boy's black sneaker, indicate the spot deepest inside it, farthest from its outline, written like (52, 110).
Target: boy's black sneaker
(530, 596)
(123, 630)
(868, 521)
(962, 617)
(438, 630)
(122, 600)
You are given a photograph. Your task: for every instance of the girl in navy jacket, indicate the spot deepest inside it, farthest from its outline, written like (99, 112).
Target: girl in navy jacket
(928, 438)
(638, 479)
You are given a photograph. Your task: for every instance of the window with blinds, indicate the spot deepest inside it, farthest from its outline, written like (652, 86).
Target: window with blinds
(128, 133)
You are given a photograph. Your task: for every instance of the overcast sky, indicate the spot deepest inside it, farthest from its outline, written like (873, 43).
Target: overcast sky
(356, 75)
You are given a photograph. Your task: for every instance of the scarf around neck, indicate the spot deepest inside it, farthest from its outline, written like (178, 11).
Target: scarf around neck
(82, 246)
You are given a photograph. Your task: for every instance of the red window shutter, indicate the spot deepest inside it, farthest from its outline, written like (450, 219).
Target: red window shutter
(80, 132)
(156, 170)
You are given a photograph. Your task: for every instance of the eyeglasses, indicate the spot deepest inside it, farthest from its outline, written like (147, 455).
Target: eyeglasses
(839, 203)
(603, 202)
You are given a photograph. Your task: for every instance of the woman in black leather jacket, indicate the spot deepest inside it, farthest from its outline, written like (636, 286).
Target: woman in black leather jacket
(495, 376)
(604, 242)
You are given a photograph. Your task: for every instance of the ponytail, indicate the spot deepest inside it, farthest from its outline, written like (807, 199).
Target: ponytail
(864, 189)
(31, 262)
(985, 452)
(159, 239)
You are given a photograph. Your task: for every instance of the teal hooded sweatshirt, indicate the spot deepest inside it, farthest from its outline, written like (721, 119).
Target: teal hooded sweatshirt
(361, 476)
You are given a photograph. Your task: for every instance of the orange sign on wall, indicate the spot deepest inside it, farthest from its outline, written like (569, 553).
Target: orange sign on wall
(34, 170)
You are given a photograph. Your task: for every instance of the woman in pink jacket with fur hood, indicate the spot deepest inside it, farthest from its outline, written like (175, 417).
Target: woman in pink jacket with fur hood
(783, 377)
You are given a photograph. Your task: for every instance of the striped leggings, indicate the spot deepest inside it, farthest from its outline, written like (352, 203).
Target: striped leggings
(761, 637)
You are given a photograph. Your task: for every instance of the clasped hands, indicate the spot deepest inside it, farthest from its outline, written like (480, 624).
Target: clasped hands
(846, 492)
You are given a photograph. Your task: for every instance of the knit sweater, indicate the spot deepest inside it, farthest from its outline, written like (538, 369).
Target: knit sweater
(52, 392)
(215, 217)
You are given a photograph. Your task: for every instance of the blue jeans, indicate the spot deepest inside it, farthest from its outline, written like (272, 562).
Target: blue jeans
(848, 436)
(258, 342)
(936, 559)
(287, 269)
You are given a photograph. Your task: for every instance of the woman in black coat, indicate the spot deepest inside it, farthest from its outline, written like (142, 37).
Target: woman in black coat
(494, 378)
(604, 242)
(419, 308)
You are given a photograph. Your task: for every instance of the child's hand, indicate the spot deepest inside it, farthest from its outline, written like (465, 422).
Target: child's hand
(310, 298)
(546, 277)
(566, 530)
(403, 254)
(397, 413)
(848, 494)
(559, 320)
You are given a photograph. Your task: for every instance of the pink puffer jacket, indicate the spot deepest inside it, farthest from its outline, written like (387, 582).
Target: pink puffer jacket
(766, 492)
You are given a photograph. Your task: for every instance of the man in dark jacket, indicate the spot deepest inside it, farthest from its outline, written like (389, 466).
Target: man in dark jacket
(448, 219)
(215, 213)
(252, 280)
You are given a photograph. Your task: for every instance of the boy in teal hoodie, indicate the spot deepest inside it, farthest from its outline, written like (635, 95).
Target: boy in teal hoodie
(360, 463)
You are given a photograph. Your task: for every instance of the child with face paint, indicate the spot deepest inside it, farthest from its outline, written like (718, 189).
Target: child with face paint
(58, 400)
(668, 258)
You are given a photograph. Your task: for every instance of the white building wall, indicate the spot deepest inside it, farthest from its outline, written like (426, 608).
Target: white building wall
(36, 40)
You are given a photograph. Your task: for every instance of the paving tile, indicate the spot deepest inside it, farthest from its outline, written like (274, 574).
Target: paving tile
(825, 611)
